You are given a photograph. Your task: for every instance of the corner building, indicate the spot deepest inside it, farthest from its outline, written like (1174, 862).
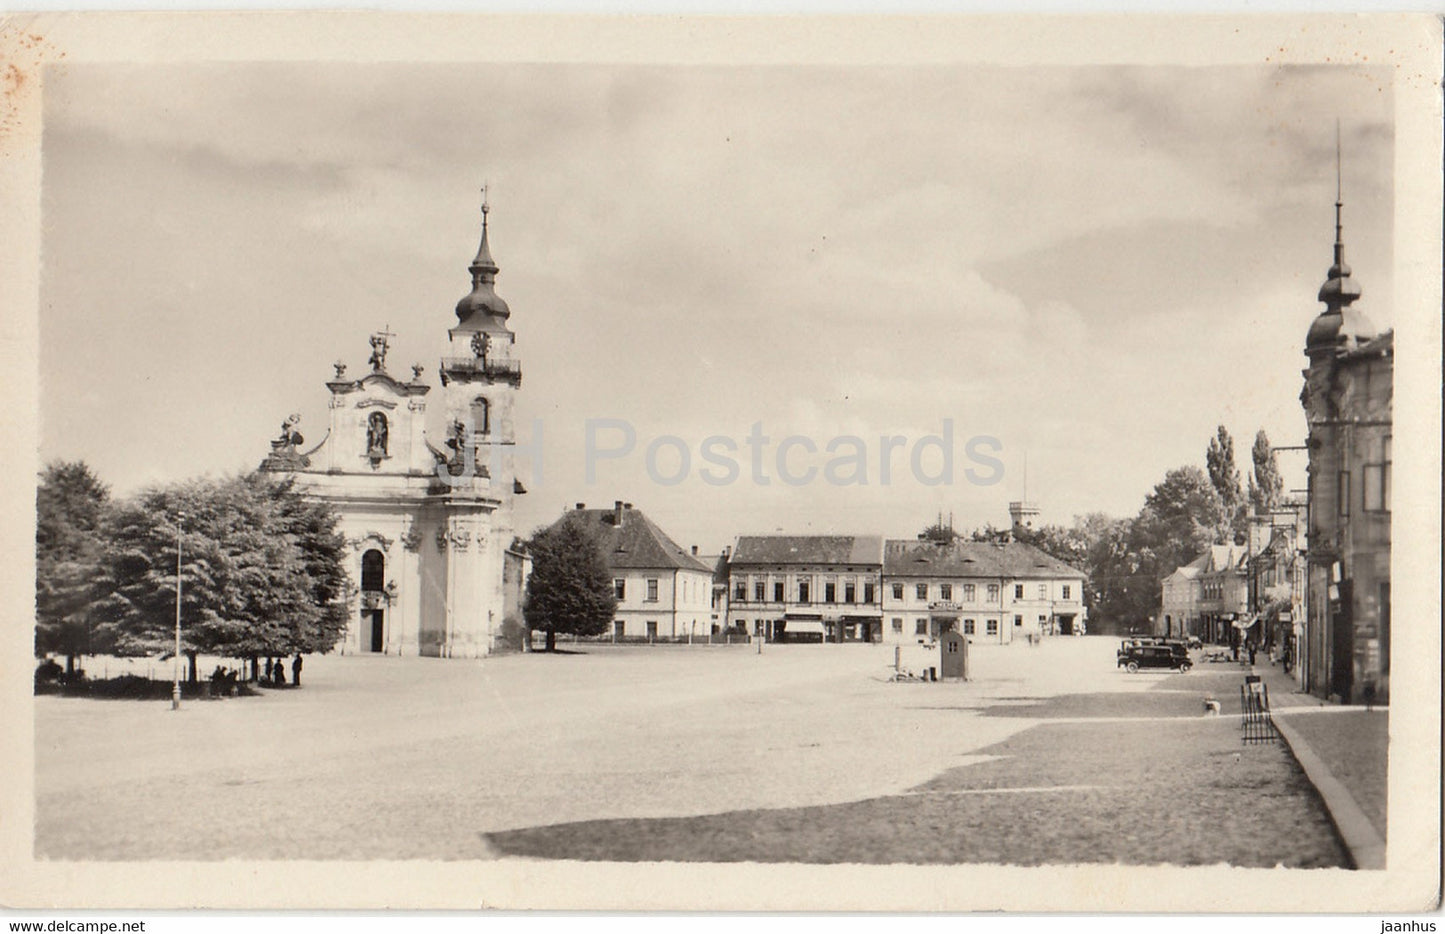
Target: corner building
(427, 514)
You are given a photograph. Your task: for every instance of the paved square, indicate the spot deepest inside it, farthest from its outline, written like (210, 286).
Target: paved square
(412, 758)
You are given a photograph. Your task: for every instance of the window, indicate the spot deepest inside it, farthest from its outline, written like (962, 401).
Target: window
(740, 591)
(651, 630)
(1377, 483)
(803, 589)
(968, 593)
(1018, 620)
(920, 628)
(850, 592)
(1018, 591)
(481, 415)
(922, 591)
(1066, 591)
(1043, 621)
(945, 592)
(1344, 493)
(619, 588)
(830, 592)
(373, 571)
(897, 624)
(868, 593)
(968, 627)
(652, 590)
(897, 591)
(777, 591)
(993, 593)
(760, 590)
(619, 630)
(991, 627)
(1043, 591)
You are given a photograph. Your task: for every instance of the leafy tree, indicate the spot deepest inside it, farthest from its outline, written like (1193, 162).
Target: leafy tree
(260, 570)
(940, 532)
(570, 589)
(1224, 476)
(71, 505)
(1266, 486)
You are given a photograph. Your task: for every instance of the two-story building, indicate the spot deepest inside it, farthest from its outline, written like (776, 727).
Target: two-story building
(663, 590)
(807, 588)
(989, 591)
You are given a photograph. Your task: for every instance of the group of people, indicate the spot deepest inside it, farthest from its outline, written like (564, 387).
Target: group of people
(276, 671)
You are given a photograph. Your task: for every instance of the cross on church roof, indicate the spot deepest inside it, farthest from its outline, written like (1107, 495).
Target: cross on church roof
(380, 341)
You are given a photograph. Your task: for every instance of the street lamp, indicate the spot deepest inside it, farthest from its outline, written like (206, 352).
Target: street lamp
(176, 683)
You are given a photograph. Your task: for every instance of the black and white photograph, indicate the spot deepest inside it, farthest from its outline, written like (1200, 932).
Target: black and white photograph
(819, 464)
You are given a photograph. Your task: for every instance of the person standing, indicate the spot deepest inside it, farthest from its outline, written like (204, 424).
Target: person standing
(269, 670)
(296, 670)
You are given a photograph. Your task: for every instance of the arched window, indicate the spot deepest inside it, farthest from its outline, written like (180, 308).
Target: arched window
(481, 415)
(376, 435)
(373, 571)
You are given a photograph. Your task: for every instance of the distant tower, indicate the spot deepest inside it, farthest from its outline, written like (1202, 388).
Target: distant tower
(1022, 513)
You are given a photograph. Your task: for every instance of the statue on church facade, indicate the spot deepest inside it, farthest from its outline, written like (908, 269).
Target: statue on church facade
(376, 431)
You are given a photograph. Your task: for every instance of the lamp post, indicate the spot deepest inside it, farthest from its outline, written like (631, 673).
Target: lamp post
(176, 683)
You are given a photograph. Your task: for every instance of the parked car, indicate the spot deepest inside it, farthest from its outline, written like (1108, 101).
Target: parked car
(1170, 655)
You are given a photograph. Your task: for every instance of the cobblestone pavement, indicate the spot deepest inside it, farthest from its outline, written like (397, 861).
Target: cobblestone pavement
(1178, 789)
(1354, 746)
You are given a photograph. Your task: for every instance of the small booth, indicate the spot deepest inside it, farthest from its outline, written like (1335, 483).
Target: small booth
(953, 661)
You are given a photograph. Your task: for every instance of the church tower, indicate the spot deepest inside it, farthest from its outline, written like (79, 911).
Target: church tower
(428, 519)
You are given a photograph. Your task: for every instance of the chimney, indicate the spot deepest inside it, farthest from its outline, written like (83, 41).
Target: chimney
(617, 512)
(694, 549)
(626, 505)
(727, 551)
(581, 506)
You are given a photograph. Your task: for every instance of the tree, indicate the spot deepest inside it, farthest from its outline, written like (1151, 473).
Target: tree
(71, 505)
(1224, 476)
(1266, 486)
(260, 571)
(570, 589)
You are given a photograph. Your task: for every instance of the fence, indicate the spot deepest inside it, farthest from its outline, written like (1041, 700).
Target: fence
(1257, 723)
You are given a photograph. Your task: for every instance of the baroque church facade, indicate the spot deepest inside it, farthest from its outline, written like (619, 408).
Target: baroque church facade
(434, 565)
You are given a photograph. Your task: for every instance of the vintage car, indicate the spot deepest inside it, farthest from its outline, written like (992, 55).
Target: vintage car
(1165, 655)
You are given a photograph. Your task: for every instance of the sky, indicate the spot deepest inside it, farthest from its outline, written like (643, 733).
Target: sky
(1082, 269)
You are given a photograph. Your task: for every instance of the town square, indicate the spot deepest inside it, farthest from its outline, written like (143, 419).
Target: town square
(694, 470)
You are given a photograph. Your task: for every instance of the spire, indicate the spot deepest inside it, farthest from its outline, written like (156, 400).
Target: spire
(1339, 326)
(1339, 289)
(483, 268)
(482, 308)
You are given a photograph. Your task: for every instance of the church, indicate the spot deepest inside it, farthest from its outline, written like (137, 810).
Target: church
(435, 568)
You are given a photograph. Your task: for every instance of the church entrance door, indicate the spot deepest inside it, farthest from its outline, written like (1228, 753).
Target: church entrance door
(378, 630)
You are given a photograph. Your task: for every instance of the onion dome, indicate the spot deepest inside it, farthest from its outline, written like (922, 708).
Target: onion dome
(1338, 327)
(482, 309)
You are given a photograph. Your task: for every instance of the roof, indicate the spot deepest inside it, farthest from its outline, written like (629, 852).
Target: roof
(637, 542)
(1014, 560)
(808, 549)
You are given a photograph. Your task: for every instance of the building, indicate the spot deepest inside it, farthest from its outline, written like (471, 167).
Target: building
(1348, 403)
(1277, 581)
(1209, 597)
(663, 591)
(435, 569)
(1179, 615)
(807, 588)
(989, 591)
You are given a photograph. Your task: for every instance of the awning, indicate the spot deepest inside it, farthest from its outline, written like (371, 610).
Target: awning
(803, 625)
